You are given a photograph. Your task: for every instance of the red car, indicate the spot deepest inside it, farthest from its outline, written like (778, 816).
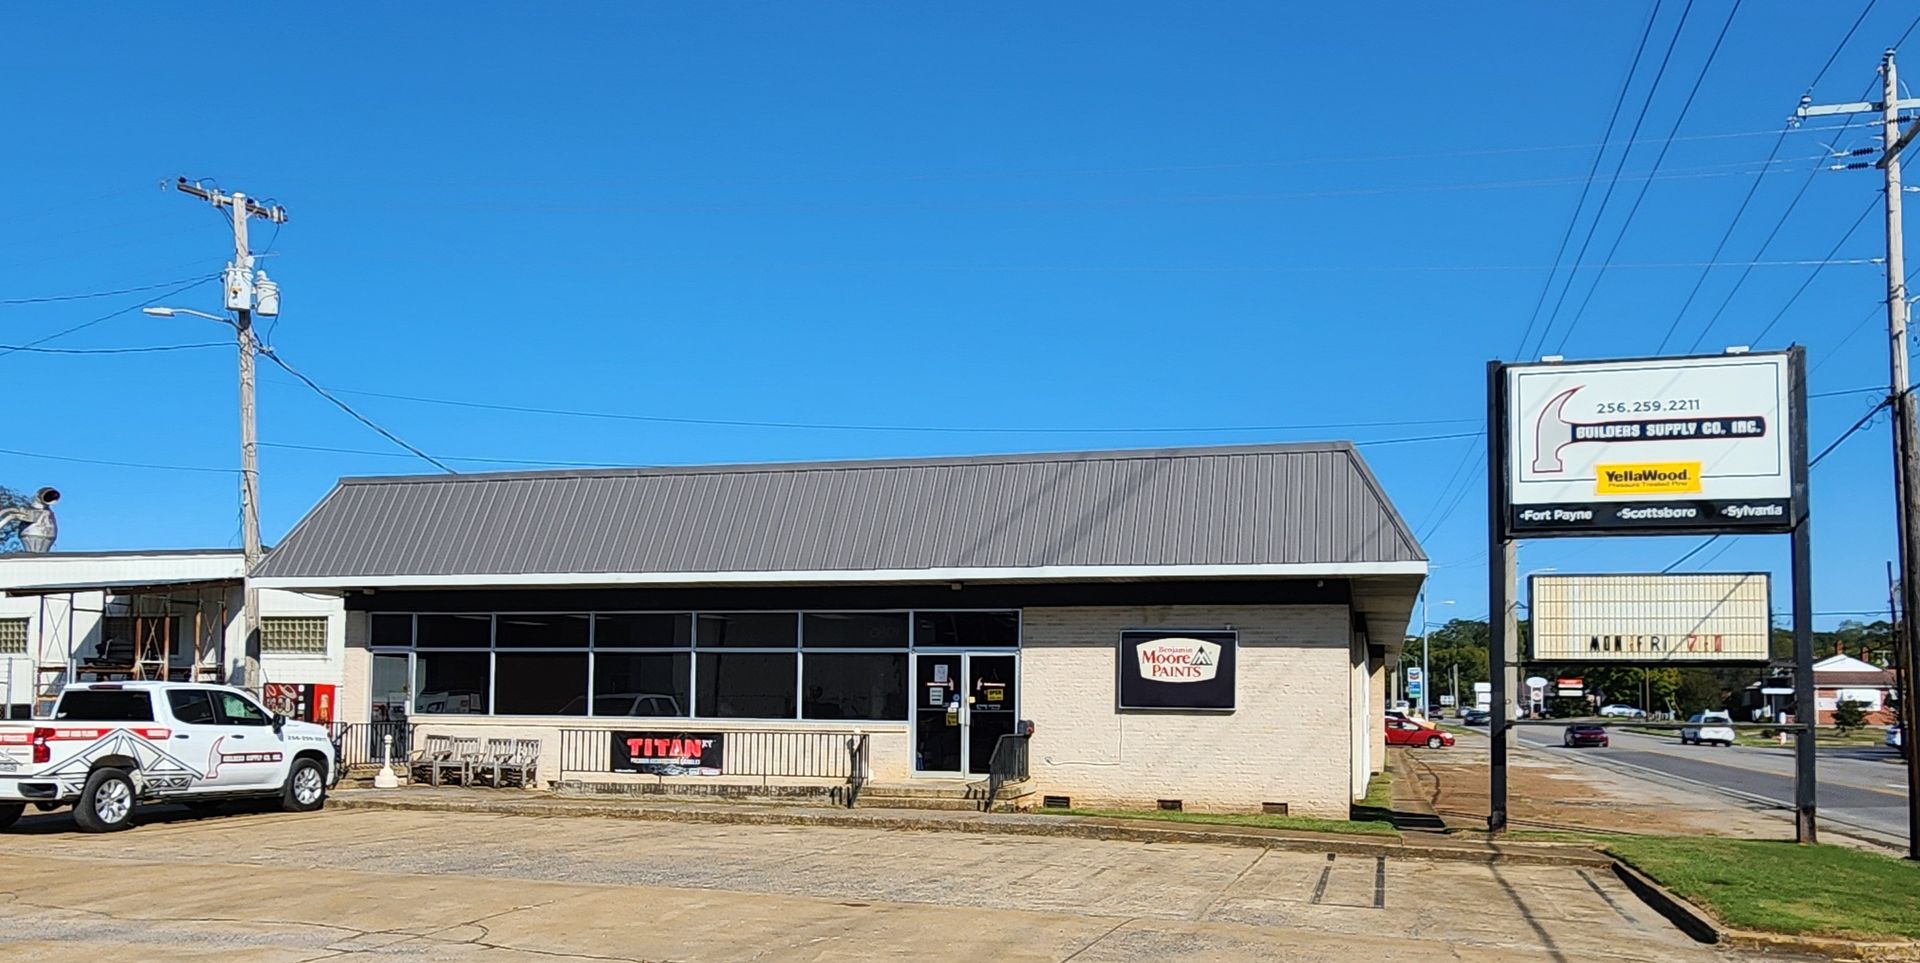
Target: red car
(1404, 732)
(1585, 735)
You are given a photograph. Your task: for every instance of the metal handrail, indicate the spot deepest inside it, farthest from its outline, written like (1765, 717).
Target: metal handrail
(1007, 764)
(753, 753)
(362, 745)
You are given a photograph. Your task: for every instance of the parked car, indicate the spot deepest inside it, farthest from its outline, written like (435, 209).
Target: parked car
(1705, 728)
(1577, 736)
(1476, 717)
(1622, 712)
(1404, 732)
(113, 745)
(1413, 718)
(1893, 736)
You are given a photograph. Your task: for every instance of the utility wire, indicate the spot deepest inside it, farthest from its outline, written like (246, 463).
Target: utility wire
(53, 298)
(145, 349)
(266, 351)
(109, 316)
(1599, 152)
(1660, 158)
(1764, 245)
(469, 458)
(1844, 238)
(117, 464)
(1842, 45)
(1613, 181)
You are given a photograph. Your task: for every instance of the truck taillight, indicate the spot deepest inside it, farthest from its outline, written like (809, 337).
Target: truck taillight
(42, 753)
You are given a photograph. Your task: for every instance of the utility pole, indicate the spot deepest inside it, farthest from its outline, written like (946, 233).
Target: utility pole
(1426, 643)
(246, 290)
(1906, 446)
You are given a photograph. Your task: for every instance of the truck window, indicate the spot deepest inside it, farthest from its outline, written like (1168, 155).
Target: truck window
(105, 705)
(191, 706)
(236, 710)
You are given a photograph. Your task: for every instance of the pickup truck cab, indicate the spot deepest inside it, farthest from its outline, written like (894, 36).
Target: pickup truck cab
(112, 745)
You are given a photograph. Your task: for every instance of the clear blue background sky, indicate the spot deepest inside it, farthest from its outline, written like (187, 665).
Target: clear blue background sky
(1125, 221)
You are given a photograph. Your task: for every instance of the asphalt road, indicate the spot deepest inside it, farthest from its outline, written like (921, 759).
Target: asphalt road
(1859, 788)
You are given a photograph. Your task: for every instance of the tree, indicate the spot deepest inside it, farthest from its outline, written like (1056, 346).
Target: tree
(1848, 716)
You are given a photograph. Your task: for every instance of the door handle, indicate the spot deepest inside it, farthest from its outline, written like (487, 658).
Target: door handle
(238, 736)
(181, 735)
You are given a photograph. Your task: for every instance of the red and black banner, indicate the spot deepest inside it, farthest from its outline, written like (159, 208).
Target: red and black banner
(668, 753)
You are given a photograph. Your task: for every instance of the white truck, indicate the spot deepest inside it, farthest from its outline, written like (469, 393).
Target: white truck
(111, 745)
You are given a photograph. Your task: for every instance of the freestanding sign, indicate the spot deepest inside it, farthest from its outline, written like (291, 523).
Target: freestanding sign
(1177, 670)
(1661, 618)
(1700, 444)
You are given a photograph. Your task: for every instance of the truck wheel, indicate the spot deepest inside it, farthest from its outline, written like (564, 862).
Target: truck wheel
(306, 787)
(106, 802)
(10, 814)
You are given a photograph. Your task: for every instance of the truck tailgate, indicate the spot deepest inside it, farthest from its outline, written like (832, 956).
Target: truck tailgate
(16, 749)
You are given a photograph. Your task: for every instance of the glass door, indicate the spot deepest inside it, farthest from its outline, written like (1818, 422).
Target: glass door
(938, 698)
(990, 706)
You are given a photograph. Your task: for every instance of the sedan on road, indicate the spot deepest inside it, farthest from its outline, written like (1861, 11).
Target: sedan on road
(1622, 712)
(1577, 736)
(1402, 732)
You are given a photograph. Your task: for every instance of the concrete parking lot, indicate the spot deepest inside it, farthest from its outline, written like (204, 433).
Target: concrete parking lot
(364, 885)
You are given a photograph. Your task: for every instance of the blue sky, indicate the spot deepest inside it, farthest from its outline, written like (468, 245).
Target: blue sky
(1128, 222)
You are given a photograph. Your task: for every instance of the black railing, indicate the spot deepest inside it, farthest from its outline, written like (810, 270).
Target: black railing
(362, 745)
(1008, 764)
(762, 754)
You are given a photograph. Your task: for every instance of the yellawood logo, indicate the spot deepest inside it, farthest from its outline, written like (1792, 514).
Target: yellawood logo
(1657, 477)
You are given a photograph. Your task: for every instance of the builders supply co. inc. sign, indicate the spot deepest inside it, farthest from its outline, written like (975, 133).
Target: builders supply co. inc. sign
(1177, 670)
(1700, 444)
(1692, 617)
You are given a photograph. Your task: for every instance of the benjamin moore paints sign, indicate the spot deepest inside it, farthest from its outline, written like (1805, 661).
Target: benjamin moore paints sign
(1694, 617)
(1177, 670)
(1699, 443)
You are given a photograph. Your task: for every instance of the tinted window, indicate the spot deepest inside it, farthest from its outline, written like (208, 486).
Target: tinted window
(986, 629)
(542, 631)
(541, 684)
(395, 630)
(641, 684)
(642, 630)
(106, 705)
(450, 682)
(879, 630)
(191, 706)
(237, 710)
(454, 631)
(743, 629)
(746, 685)
(846, 685)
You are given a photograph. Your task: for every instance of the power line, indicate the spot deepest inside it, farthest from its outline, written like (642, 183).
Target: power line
(144, 349)
(1660, 158)
(53, 298)
(937, 429)
(1844, 238)
(1842, 45)
(469, 458)
(1613, 117)
(1764, 245)
(116, 464)
(1613, 180)
(266, 351)
(108, 316)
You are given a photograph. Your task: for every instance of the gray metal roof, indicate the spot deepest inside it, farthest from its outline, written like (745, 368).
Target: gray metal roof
(1258, 505)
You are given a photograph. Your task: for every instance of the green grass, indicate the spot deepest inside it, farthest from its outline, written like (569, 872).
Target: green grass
(1365, 827)
(1784, 888)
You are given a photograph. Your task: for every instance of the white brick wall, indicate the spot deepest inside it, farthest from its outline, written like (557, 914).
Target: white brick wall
(1289, 741)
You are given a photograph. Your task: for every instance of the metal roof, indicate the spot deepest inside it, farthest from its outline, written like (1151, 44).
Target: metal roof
(1292, 504)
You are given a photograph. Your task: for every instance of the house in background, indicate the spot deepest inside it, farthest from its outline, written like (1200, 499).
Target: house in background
(1843, 678)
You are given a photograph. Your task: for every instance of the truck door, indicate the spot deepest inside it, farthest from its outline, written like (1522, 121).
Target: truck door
(230, 756)
(255, 754)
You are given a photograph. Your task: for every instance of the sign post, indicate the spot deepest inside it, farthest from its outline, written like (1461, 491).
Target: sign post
(1712, 445)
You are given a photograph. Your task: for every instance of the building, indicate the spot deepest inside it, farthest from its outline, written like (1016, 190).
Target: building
(1205, 625)
(104, 616)
(1843, 678)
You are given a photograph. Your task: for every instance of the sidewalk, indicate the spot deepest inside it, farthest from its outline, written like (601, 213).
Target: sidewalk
(525, 803)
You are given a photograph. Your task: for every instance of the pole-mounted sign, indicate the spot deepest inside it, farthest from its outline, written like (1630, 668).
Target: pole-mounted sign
(1698, 444)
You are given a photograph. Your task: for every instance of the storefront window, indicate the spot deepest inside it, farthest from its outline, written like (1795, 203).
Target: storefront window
(642, 684)
(540, 684)
(454, 631)
(541, 631)
(863, 630)
(643, 630)
(745, 685)
(755, 630)
(450, 683)
(985, 630)
(389, 695)
(863, 685)
(390, 631)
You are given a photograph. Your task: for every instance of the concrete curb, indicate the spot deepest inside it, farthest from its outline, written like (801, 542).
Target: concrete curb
(1702, 926)
(1077, 827)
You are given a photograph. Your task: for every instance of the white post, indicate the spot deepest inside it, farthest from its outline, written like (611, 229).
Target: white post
(385, 779)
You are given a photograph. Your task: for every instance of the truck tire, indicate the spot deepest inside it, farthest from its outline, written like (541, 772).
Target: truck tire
(306, 789)
(10, 814)
(106, 802)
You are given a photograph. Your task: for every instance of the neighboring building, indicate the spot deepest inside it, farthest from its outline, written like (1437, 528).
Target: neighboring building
(1843, 678)
(101, 616)
(1204, 625)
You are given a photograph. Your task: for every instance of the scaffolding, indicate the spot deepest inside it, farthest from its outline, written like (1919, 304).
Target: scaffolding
(167, 631)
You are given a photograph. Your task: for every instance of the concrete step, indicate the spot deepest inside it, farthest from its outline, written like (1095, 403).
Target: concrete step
(949, 796)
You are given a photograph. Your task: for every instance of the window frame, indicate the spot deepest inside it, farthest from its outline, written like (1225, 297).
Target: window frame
(326, 631)
(26, 636)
